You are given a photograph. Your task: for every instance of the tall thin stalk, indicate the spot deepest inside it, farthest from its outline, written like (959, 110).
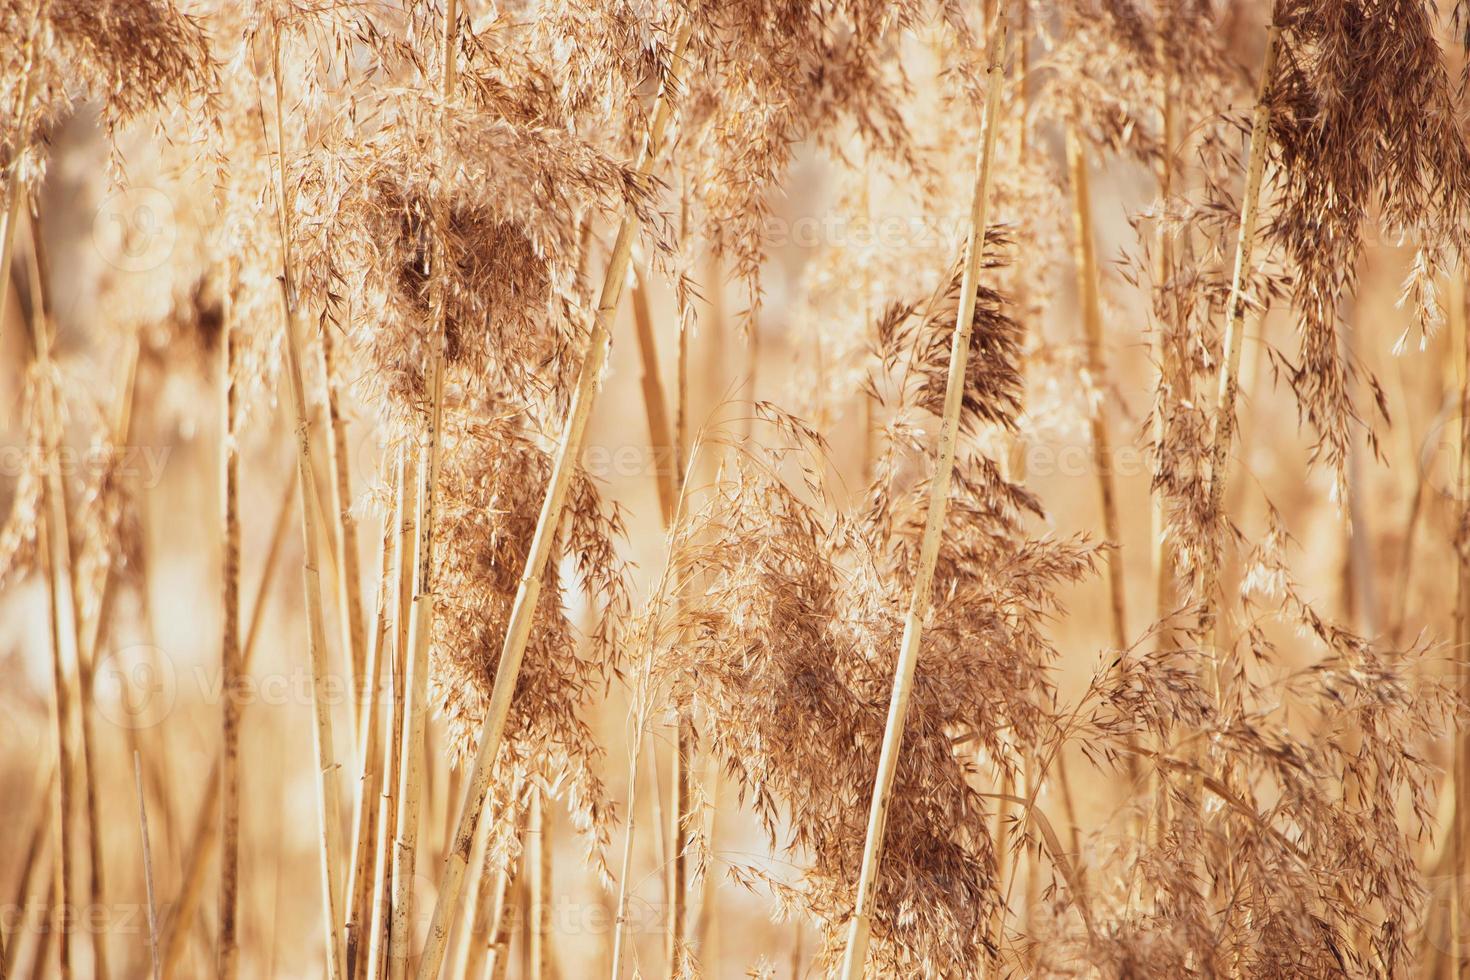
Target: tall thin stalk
(421, 628)
(568, 451)
(205, 827)
(411, 754)
(202, 842)
(91, 770)
(64, 784)
(1225, 405)
(328, 808)
(680, 817)
(638, 715)
(487, 928)
(538, 863)
(855, 958)
(641, 708)
(476, 911)
(707, 926)
(1460, 763)
(42, 953)
(1102, 453)
(32, 858)
(655, 405)
(667, 477)
(404, 563)
(52, 413)
(229, 950)
(349, 575)
(370, 771)
(497, 962)
(1234, 329)
(147, 870)
(15, 186)
(53, 536)
(1163, 552)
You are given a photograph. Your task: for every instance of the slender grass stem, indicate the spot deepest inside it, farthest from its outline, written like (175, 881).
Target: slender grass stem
(451, 880)
(860, 926)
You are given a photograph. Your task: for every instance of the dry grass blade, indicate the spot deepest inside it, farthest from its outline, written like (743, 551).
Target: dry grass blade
(1054, 848)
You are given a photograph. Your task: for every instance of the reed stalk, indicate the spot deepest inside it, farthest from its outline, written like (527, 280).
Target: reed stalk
(564, 463)
(538, 862)
(91, 797)
(64, 785)
(15, 186)
(1234, 329)
(1163, 552)
(328, 807)
(680, 823)
(708, 923)
(476, 910)
(148, 870)
(202, 843)
(404, 564)
(655, 405)
(50, 406)
(229, 949)
(1165, 590)
(1230, 378)
(662, 440)
(32, 858)
(625, 872)
(855, 956)
(421, 628)
(206, 829)
(42, 954)
(349, 580)
(369, 740)
(497, 963)
(411, 754)
(53, 538)
(478, 961)
(638, 713)
(1102, 452)
(1460, 752)
(1005, 869)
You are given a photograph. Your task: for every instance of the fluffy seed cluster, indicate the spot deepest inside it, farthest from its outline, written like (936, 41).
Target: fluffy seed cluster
(137, 57)
(496, 473)
(488, 211)
(788, 622)
(1363, 118)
